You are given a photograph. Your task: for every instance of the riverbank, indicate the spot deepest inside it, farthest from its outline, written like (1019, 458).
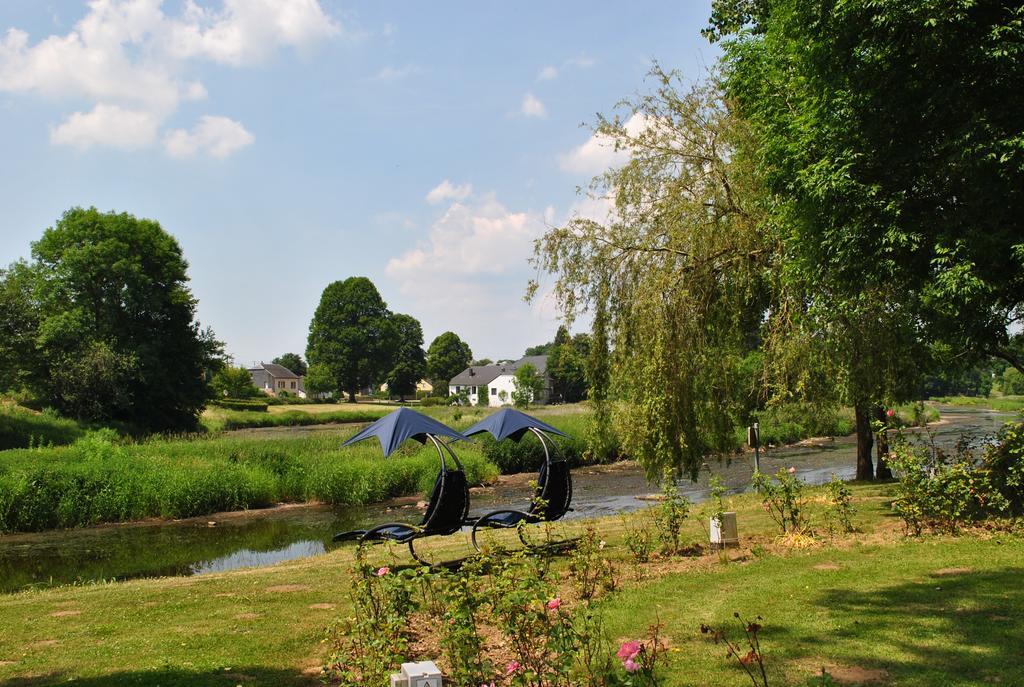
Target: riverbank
(844, 603)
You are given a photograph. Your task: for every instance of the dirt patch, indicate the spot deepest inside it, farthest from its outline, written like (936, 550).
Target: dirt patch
(285, 588)
(321, 607)
(826, 566)
(949, 572)
(64, 614)
(7, 663)
(848, 675)
(248, 616)
(44, 643)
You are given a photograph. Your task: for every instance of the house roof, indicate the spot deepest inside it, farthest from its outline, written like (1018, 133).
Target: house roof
(481, 375)
(276, 371)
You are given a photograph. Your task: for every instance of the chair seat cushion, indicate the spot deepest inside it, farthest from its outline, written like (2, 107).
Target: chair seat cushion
(503, 518)
(394, 533)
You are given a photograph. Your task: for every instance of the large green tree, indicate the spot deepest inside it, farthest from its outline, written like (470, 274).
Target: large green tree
(106, 308)
(447, 356)
(351, 339)
(566, 366)
(673, 274)
(293, 362)
(234, 382)
(410, 362)
(889, 138)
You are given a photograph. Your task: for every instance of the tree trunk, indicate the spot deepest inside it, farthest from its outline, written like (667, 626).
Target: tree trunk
(351, 397)
(865, 468)
(882, 470)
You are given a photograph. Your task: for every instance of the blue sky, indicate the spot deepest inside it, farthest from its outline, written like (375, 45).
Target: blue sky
(290, 143)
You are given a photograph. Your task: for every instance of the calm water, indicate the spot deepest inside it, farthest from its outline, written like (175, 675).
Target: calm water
(258, 538)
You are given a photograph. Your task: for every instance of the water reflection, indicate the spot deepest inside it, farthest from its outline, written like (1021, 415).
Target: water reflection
(218, 543)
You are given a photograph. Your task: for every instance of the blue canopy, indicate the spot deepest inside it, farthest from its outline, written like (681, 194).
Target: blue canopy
(394, 428)
(509, 423)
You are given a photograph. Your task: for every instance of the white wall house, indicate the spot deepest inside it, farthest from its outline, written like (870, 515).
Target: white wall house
(272, 379)
(495, 383)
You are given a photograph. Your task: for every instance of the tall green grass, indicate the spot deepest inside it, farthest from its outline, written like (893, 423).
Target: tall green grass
(23, 428)
(1003, 404)
(241, 419)
(99, 480)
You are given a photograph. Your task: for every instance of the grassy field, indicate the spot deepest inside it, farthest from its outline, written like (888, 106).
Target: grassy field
(1004, 404)
(874, 607)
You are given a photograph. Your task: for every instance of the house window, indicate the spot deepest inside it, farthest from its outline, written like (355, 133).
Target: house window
(494, 391)
(280, 385)
(474, 390)
(293, 385)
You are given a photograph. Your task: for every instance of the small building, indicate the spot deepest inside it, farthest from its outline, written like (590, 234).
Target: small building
(496, 382)
(272, 379)
(421, 386)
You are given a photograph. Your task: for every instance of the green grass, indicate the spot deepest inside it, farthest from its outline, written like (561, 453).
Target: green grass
(96, 481)
(1003, 404)
(877, 601)
(22, 428)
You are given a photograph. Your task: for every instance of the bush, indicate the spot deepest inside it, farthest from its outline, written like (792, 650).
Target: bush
(791, 422)
(251, 405)
(428, 401)
(1004, 463)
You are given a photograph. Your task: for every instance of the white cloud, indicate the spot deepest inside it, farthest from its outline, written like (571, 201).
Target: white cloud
(581, 62)
(215, 136)
(389, 73)
(107, 125)
(129, 56)
(533, 107)
(470, 239)
(548, 73)
(597, 153)
(446, 190)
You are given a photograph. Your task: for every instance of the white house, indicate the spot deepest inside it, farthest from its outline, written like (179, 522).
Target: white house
(496, 383)
(272, 379)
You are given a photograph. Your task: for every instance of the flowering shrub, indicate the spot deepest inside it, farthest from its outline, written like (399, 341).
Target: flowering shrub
(782, 498)
(939, 491)
(639, 542)
(1004, 464)
(640, 657)
(590, 570)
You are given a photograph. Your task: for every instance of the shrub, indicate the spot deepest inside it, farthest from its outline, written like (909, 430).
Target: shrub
(1004, 462)
(782, 498)
(429, 401)
(671, 514)
(251, 405)
(839, 509)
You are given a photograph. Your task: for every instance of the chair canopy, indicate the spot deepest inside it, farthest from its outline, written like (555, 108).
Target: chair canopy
(509, 423)
(394, 428)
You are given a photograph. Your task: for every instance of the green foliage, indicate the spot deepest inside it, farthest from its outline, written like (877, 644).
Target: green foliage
(447, 356)
(566, 366)
(23, 428)
(351, 338)
(787, 423)
(939, 491)
(292, 362)
(676, 273)
(839, 508)
(410, 362)
(589, 571)
(106, 326)
(246, 404)
(1004, 463)
(670, 515)
(234, 382)
(638, 540)
(782, 498)
(529, 386)
(1012, 383)
(98, 479)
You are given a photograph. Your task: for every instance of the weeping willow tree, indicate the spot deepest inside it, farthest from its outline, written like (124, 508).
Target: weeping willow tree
(678, 271)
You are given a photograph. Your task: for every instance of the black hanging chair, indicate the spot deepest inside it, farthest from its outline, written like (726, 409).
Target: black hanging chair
(448, 506)
(553, 496)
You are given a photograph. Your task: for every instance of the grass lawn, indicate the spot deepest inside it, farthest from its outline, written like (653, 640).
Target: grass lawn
(874, 605)
(1003, 404)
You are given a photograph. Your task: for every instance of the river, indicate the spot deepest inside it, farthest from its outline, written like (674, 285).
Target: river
(257, 538)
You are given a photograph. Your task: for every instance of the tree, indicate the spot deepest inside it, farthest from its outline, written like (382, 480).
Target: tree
(481, 362)
(293, 362)
(529, 385)
(542, 349)
(676, 272)
(888, 137)
(447, 356)
(410, 362)
(566, 366)
(106, 307)
(234, 382)
(351, 336)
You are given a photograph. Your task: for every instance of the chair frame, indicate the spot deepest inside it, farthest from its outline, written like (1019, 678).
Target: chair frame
(377, 534)
(526, 516)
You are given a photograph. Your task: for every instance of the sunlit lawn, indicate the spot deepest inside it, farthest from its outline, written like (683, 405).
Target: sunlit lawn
(937, 611)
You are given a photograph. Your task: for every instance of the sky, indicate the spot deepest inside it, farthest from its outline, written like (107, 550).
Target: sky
(287, 144)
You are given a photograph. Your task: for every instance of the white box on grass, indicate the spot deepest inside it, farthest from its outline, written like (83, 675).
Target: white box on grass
(419, 674)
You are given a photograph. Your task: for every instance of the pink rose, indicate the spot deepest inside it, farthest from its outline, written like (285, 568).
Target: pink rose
(381, 572)
(890, 413)
(631, 666)
(791, 471)
(629, 650)
(554, 604)
(511, 667)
